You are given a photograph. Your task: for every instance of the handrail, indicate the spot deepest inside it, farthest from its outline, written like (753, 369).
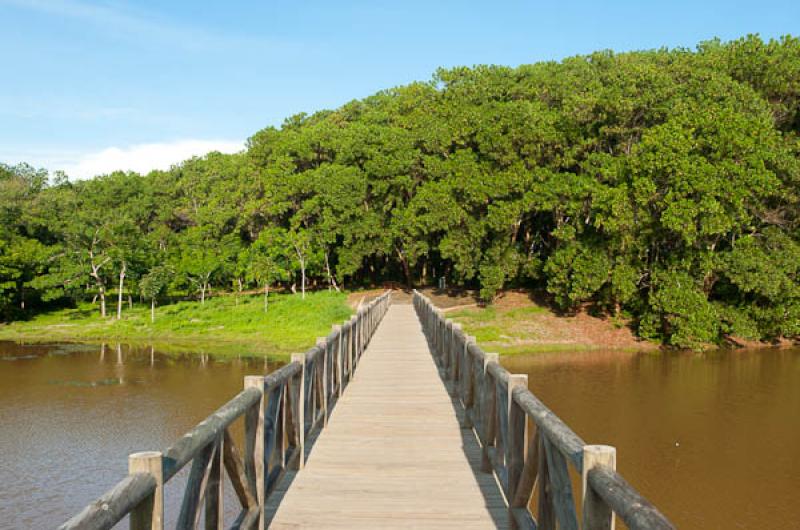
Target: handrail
(499, 406)
(281, 411)
(190, 444)
(116, 503)
(622, 498)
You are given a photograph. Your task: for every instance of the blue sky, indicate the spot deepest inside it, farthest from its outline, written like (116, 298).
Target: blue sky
(91, 86)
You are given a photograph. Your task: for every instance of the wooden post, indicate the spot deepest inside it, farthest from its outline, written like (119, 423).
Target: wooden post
(360, 333)
(149, 515)
(441, 326)
(546, 515)
(346, 365)
(356, 340)
(351, 347)
(322, 342)
(215, 489)
(516, 441)
(338, 359)
(468, 392)
(363, 334)
(447, 335)
(455, 357)
(434, 333)
(489, 414)
(299, 414)
(254, 446)
(596, 514)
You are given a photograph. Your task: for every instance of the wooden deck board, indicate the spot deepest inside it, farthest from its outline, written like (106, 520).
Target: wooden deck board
(393, 454)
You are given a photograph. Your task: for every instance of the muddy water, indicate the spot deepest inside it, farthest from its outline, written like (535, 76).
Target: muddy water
(70, 415)
(713, 440)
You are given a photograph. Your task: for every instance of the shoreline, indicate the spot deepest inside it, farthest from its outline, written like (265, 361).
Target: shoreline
(516, 324)
(222, 326)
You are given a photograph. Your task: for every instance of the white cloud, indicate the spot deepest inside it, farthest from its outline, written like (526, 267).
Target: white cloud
(141, 158)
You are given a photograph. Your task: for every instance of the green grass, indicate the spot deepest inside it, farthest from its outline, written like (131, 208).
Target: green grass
(491, 314)
(487, 314)
(221, 326)
(496, 328)
(503, 331)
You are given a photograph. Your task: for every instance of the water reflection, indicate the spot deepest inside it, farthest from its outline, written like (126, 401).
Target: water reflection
(70, 415)
(711, 438)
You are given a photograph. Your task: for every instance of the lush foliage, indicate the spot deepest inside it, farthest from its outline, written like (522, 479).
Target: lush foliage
(662, 185)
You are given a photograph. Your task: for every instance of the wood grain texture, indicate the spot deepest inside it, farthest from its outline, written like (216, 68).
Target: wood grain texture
(635, 511)
(110, 508)
(393, 454)
(597, 515)
(149, 514)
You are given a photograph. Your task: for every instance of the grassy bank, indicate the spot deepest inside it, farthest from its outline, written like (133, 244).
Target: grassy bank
(221, 326)
(515, 324)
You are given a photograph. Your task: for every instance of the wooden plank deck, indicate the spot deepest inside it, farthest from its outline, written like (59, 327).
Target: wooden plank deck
(393, 454)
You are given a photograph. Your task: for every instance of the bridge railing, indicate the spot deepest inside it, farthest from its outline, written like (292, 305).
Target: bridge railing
(527, 446)
(281, 411)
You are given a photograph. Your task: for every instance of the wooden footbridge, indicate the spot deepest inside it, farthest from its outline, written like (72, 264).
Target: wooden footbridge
(396, 419)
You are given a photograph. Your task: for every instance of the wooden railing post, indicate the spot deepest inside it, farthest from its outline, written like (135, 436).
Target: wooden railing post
(447, 351)
(360, 336)
(442, 326)
(346, 364)
(351, 347)
(338, 360)
(214, 516)
(299, 412)
(516, 441)
(596, 513)
(322, 342)
(489, 414)
(149, 515)
(468, 391)
(455, 357)
(255, 463)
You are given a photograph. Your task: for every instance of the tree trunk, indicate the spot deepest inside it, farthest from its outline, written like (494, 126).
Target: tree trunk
(406, 268)
(119, 294)
(203, 293)
(407, 272)
(130, 301)
(303, 279)
(331, 279)
(102, 301)
(153, 309)
(266, 297)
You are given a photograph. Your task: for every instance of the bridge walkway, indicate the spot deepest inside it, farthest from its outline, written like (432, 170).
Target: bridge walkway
(393, 454)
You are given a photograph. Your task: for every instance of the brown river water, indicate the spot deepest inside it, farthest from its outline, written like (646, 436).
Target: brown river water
(713, 439)
(71, 414)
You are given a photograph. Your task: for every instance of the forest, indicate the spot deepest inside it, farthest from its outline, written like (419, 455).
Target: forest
(658, 186)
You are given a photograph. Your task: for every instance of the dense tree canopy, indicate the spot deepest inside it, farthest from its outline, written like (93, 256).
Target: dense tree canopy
(662, 185)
